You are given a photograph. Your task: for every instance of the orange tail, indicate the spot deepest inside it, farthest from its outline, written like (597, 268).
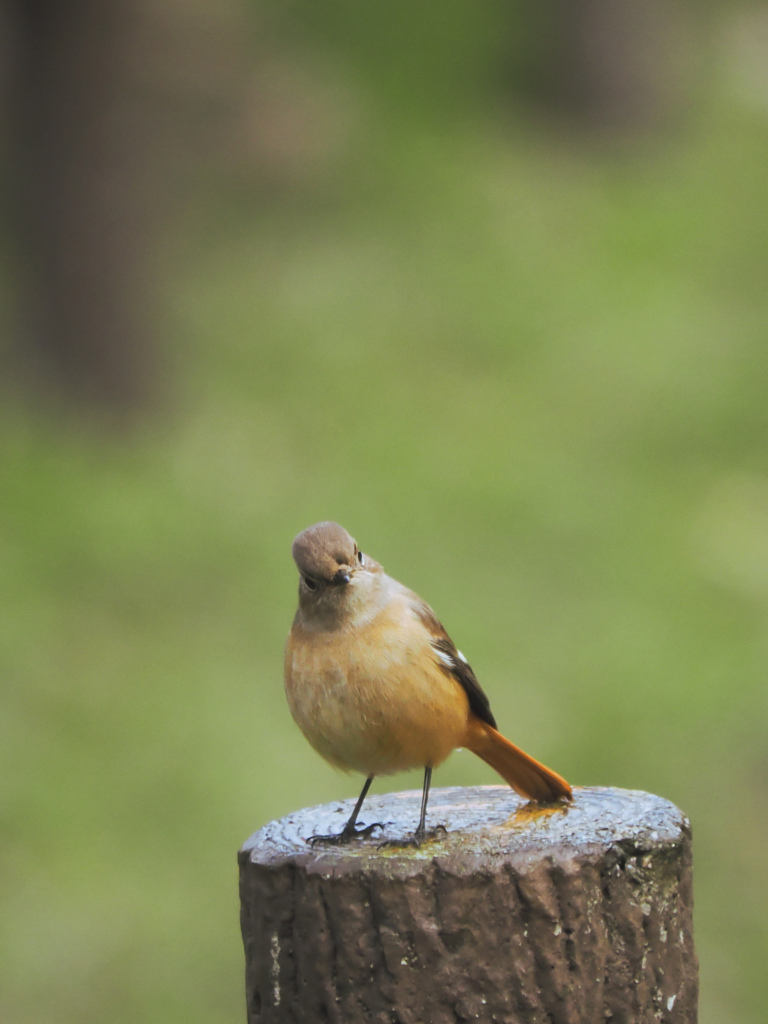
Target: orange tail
(526, 776)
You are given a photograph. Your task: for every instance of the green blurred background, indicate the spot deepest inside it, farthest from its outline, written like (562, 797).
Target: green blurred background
(419, 269)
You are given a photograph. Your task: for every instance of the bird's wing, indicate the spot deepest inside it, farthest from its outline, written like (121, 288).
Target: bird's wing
(451, 660)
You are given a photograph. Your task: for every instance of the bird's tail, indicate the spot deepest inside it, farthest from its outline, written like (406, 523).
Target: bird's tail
(525, 775)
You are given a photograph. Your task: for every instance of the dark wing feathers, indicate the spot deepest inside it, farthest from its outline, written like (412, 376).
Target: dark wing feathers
(455, 664)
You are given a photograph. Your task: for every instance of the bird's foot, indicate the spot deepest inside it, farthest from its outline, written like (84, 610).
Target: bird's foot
(419, 836)
(347, 835)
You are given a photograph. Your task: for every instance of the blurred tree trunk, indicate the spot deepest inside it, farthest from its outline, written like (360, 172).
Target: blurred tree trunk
(616, 64)
(113, 105)
(81, 199)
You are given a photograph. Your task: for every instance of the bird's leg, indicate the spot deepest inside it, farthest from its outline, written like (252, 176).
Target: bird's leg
(350, 831)
(422, 826)
(421, 830)
(421, 833)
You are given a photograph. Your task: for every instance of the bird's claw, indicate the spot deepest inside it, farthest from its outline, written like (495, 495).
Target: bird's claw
(347, 835)
(419, 836)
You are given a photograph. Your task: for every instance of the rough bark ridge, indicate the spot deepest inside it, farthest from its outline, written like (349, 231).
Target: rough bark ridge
(518, 915)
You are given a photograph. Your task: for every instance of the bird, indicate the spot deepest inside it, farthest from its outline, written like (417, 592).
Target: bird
(377, 686)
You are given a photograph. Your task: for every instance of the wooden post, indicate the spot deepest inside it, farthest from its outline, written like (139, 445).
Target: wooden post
(518, 915)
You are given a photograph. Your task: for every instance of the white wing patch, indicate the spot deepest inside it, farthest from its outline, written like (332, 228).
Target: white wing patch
(446, 659)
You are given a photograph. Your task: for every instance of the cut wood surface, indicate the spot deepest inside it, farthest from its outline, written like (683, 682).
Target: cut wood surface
(572, 914)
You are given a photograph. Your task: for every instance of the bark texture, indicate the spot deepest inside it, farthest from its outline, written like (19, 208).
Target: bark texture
(517, 914)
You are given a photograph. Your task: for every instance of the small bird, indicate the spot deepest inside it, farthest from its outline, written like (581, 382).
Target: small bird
(376, 684)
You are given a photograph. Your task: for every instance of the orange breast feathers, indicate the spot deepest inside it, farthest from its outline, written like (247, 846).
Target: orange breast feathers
(376, 698)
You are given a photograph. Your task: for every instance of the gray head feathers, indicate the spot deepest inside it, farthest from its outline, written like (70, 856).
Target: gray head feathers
(322, 550)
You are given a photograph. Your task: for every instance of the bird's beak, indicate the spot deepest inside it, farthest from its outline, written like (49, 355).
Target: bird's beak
(342, 576)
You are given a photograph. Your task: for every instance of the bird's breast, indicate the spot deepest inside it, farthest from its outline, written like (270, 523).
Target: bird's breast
(374, 699)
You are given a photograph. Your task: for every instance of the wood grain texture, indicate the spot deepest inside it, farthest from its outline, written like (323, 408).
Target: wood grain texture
(518, 914)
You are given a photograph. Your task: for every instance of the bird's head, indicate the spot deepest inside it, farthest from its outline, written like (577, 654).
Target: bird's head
(334, 574)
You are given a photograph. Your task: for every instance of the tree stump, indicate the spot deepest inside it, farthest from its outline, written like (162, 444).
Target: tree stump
(519, 914)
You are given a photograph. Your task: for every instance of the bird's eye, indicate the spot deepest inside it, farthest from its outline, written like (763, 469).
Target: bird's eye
(310, 584)
(360, 558)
